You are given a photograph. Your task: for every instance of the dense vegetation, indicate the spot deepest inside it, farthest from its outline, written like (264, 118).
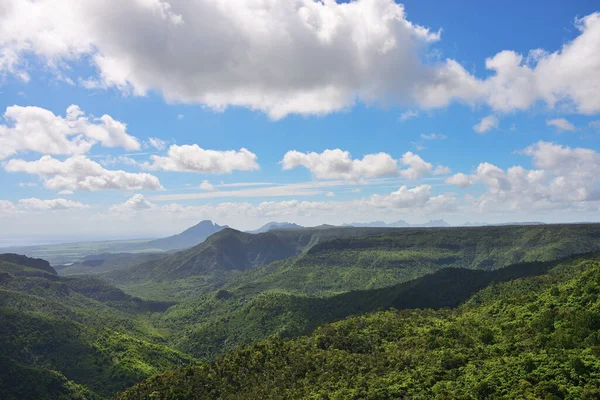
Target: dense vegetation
(533, 337)
(464, 300)
(74, 336)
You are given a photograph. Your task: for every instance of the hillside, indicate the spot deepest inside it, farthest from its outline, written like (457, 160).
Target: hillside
(399, 255)
(532, 337)
(221, 257)
(75, 335)
(220, 322)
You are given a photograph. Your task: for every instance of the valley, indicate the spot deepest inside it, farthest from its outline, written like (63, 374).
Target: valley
(126, 318)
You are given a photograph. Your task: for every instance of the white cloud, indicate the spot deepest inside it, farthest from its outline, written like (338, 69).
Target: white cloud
(54, 204)
(433, 136)
(565, 178)
(486, 123)
(339, 164)
(37, 129)
(282, 57)
(27, 184)
(561, 124)
(180, 116)
(461, 180)
(329, 194)
(442, 170)
(81, 173)
(417, 167)
(206, 185)
(136, 203)
(403, 198)
(193, 158)
(406, 115)
(594, 125)
(157, 143)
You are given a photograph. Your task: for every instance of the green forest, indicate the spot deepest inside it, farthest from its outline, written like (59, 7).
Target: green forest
(342, 313)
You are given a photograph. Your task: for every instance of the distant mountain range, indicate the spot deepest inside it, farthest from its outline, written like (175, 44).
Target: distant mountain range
(186, 239)
(276, 225)
(434, 223)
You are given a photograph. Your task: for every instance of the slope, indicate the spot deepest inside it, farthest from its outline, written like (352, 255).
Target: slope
(533, 337)
(97, 338)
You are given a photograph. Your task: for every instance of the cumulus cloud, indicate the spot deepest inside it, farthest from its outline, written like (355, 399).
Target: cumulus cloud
(37, 129)
(564, 178)
(403, 198)
(282, 57)
(53, 204)
(561, 124)
(193, 158)
(461, 180)
(339, 164)
(81, 173)
(486, 123)
(206, 185)
(136, 203)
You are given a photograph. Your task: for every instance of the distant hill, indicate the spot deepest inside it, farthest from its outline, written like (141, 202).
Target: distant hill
(276, 225)
(186, 239)
(436, 223)
(36, 263)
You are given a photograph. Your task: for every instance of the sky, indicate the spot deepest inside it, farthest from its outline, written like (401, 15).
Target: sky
(139, 118)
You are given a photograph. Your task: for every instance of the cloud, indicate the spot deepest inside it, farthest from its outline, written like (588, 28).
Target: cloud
(206, 185)
(157, 143)
(594, 124)
(193, 158)
(403, 198)
(461, 180)
(486, 124)
(564, 178)
(284, 57)
(417, 167)
(406, 115)
(433, 136)
(136, 203)
(338, 164)
(81, 173)
(37, 129)
(54, 204)
(561, 124)
(330, 194)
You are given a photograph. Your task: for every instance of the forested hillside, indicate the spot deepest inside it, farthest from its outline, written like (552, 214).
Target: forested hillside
(74, 338)
(533, 337)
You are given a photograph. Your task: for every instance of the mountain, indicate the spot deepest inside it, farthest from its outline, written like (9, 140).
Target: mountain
(188, 238)
(276, 225)
(35, 263)
(400, 224)
(398, 255)
(221, 257)
(71, 338)
(531, 337)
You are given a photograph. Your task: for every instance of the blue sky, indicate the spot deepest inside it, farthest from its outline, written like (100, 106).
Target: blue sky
(367, 110)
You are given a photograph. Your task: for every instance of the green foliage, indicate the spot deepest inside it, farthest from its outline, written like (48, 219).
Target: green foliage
(532, 337)
(96, 337)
